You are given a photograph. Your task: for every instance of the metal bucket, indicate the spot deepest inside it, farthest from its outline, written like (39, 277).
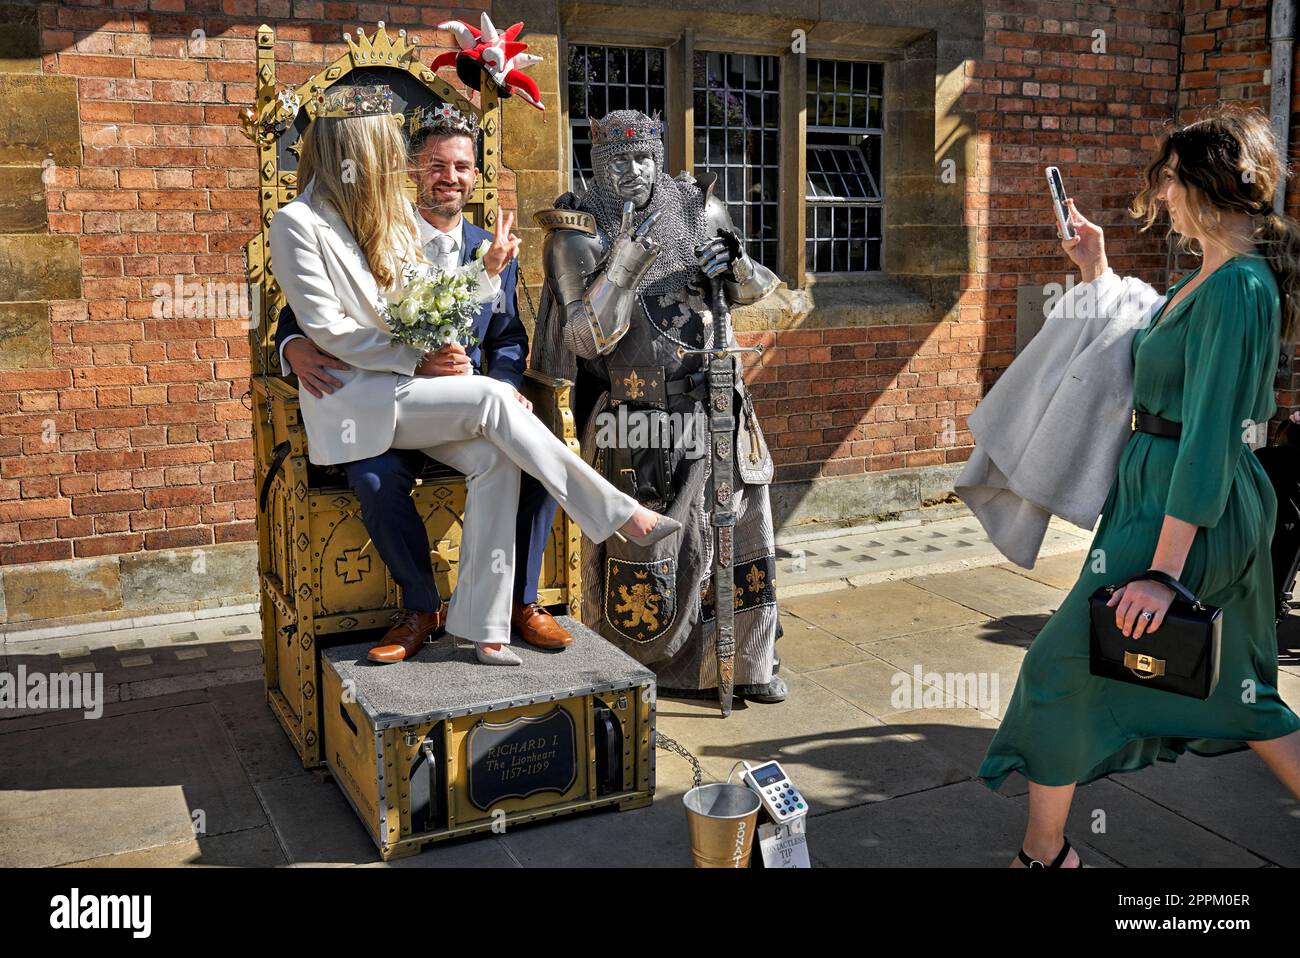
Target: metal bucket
(722, 819)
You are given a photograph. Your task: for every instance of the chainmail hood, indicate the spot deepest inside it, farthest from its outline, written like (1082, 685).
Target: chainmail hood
(681, 225)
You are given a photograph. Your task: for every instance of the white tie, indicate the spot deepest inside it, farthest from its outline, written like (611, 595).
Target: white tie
(445, 244)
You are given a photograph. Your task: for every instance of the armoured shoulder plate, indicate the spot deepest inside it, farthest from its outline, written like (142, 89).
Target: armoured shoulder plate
(716, 215)
(703, 182)
(561, 219)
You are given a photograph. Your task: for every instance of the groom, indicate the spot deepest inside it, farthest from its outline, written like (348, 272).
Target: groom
(445, 173)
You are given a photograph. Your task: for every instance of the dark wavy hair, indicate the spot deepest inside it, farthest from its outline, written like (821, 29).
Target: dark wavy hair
(1229, 162)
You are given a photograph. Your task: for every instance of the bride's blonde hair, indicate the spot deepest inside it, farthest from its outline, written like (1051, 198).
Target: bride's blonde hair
(359, 164)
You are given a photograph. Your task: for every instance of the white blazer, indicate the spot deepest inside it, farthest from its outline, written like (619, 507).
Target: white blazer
(1050, 432)
(334, 296)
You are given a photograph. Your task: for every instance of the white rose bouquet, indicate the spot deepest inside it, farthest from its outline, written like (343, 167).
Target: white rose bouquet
(430, 308)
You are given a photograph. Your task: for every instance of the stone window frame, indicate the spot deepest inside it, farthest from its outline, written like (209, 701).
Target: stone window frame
(875, 198)
(571, 123)
(911, 161)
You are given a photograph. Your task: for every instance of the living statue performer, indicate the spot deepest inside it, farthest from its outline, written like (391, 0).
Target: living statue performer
(641, 269)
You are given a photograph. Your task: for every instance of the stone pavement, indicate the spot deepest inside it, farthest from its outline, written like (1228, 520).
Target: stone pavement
(887, 765)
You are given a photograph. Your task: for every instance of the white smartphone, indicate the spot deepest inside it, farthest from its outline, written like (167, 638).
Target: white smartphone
(1057, 188)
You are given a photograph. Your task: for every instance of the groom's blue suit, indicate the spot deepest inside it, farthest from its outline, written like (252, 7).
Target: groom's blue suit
(383, 483)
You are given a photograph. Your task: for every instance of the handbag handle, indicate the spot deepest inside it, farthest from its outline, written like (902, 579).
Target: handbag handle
(1164, 578)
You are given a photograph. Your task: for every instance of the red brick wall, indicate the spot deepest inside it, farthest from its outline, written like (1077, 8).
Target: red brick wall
(152, 446)
(851, 401)
(1225, 54)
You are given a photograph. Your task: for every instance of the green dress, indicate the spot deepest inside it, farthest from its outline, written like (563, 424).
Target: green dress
(1208, 364)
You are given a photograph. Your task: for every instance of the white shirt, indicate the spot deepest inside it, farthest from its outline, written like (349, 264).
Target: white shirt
(490, 285)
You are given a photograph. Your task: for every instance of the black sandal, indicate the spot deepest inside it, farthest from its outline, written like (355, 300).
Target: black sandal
(1056, 863)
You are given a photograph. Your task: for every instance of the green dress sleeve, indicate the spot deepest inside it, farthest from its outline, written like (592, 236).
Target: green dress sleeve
(1225, 352)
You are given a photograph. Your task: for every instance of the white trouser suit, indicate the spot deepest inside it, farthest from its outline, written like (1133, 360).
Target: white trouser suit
(474, 424)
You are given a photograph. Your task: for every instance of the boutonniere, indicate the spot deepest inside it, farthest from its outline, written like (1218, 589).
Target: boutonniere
(483, 247)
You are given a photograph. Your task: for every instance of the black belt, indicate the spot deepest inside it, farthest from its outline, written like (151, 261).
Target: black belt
(1156, 425)
(688, 383)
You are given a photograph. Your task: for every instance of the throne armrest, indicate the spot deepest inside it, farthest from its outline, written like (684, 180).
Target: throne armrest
(552, 400)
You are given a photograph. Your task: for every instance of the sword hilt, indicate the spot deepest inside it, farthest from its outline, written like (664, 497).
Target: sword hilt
(721, 351)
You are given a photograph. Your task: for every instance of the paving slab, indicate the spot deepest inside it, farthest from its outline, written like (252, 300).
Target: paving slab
(838, 754)
(84, 790)
(655, 836)
(880, 611)
(259, 741)
(1058, 571)
(998, 594)
(878, 687)
(1135, 832)
(1234, 796)
(132, 668)
(977, 665)
(805, 647)
(314, 823)
(960, 735)
(476, 851)
(50, 719)
(834, 559)
(251, 848)
(957, 826)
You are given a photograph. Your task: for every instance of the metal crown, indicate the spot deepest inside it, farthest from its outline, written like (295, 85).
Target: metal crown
(380, 50)
(644, 128)
(351, 101)
(443, 118)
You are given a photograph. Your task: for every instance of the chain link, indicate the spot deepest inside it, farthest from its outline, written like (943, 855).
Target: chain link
(668, 745)
(532, 311)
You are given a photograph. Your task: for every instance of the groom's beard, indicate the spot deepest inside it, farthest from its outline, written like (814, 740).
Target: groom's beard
(443, 207)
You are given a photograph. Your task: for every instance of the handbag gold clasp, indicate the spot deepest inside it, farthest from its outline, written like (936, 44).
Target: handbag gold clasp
(1133, 420)
(1144, 666)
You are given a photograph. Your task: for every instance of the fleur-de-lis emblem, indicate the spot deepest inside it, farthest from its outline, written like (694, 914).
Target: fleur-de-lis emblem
(633, 384)
(756, 578)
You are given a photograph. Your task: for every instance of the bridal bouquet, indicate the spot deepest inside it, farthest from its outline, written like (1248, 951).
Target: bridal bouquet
(432, 308)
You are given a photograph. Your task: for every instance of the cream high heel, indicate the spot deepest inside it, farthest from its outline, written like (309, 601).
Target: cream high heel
(502, 656)
(664, 527)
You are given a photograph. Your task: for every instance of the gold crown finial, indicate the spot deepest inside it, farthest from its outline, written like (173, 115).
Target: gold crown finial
(380, 49)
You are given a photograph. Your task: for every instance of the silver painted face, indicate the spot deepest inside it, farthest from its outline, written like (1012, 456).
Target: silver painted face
(632, 177)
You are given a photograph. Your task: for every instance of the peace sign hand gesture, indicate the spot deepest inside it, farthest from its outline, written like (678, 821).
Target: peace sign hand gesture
(505, 245)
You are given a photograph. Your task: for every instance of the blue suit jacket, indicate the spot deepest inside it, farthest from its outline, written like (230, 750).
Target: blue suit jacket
(501, 334)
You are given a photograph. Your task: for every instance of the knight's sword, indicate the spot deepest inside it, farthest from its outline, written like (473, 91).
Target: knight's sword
(721, 488)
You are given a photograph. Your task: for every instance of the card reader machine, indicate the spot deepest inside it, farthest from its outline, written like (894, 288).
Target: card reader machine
(779, 796)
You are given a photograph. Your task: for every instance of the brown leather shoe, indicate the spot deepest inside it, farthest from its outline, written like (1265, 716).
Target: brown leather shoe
(538, 627)
(411, 630)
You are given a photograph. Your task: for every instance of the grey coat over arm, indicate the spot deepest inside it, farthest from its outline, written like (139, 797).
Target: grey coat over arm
(1049, 433)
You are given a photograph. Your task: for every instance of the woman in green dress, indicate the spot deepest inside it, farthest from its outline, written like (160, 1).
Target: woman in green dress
(1197, 507)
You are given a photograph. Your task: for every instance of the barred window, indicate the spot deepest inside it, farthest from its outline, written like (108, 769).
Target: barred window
(737, 136)
(844, 201)
(606, 78)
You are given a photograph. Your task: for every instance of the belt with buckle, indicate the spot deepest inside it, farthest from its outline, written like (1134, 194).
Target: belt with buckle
(1155, 425)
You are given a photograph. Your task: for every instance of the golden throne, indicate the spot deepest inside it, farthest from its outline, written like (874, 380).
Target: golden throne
(321, 580)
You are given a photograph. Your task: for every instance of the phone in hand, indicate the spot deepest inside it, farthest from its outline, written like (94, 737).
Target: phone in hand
(1057, 188)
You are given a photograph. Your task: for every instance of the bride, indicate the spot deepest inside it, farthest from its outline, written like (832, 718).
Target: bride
(336, 250)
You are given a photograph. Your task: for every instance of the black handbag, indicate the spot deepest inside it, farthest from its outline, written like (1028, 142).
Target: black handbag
(1182, 656)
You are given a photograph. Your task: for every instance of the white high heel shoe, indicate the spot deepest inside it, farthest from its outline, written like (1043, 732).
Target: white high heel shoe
(502, 656)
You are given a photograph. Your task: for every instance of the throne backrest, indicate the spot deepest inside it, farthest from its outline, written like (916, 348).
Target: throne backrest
(276, 129)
